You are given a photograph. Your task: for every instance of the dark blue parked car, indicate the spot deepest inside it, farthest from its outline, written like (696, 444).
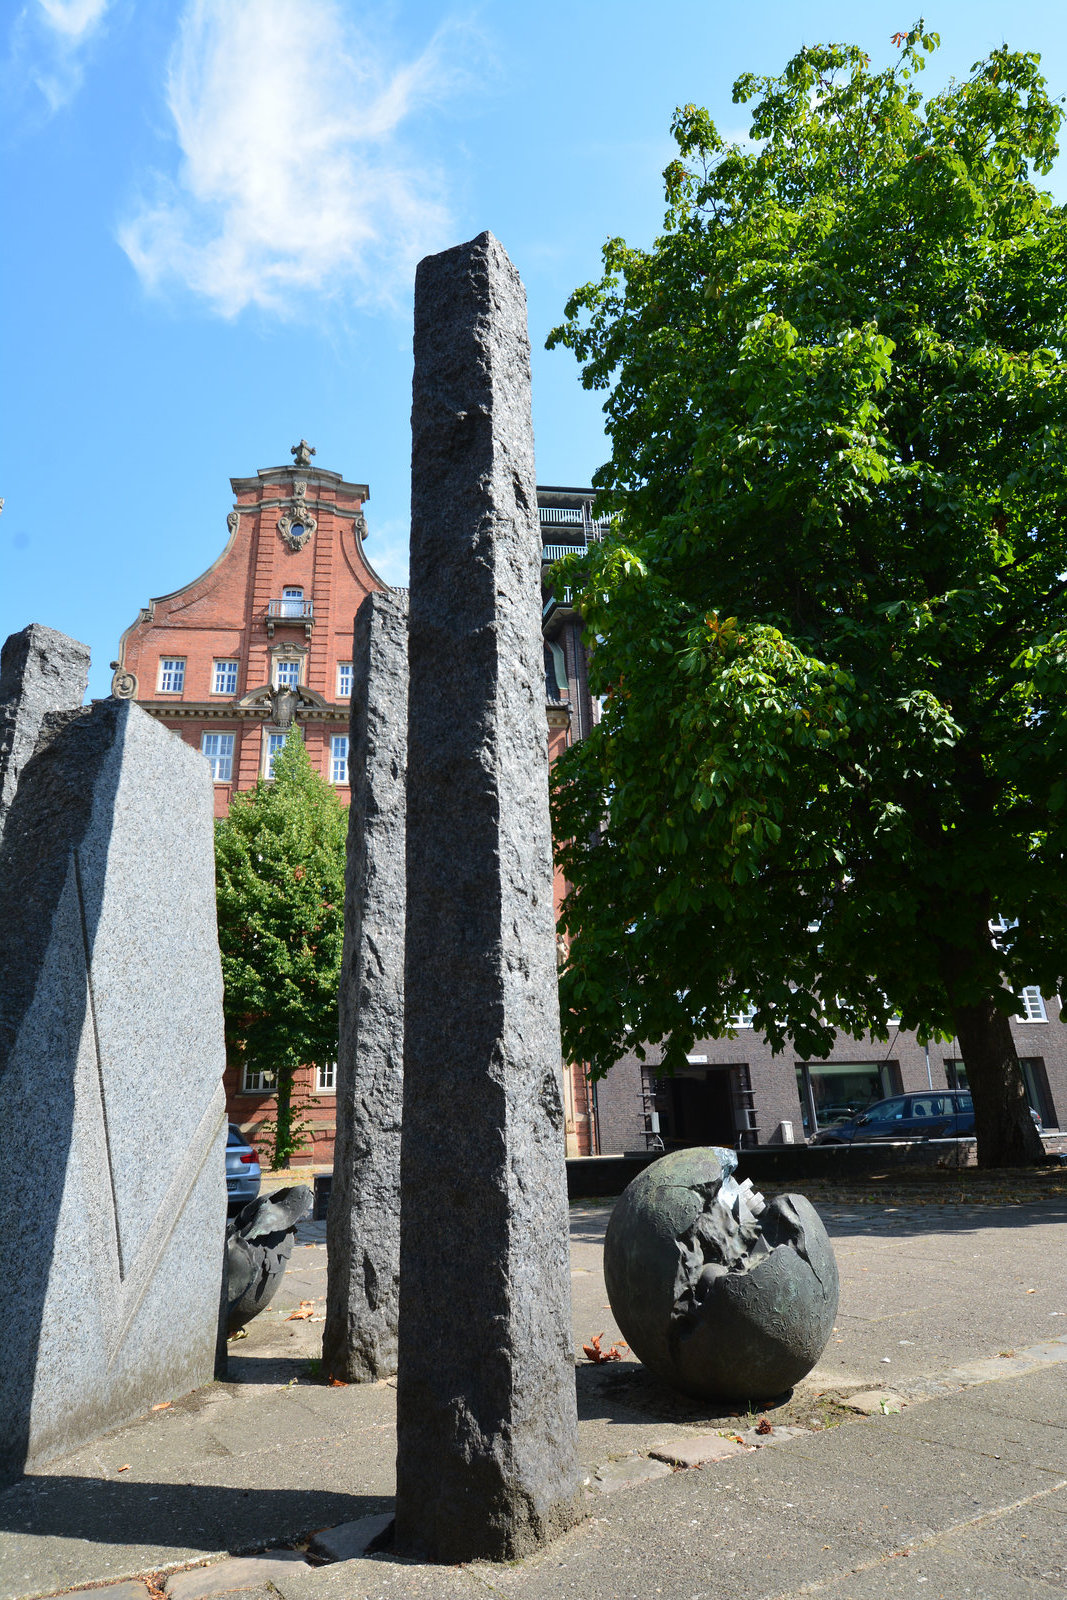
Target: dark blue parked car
(933, 1114)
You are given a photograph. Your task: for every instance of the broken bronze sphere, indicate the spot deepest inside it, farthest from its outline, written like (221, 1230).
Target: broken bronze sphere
(719, 1293)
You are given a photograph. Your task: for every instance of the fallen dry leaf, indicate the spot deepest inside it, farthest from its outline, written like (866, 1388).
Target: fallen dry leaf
(336, 1383)
(304, 1314)
(763, 1426)
(126, 1468)
(596, 1355)
(164, 1405)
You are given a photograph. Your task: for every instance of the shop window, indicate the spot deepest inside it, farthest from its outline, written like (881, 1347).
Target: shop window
(1035, 1081)
(833, 1091)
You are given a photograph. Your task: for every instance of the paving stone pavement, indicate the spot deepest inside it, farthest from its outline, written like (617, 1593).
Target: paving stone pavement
(957, 1488)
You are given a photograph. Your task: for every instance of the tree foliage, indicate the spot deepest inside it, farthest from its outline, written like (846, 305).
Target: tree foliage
(831, 622)
(280, 874)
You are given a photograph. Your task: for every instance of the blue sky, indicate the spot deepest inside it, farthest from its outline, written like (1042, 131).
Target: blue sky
(214, 208)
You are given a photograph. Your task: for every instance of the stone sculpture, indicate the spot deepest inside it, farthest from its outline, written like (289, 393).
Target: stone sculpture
(486, 1415)
(719, 1293)
(259, 1242)
(42, 674)
(112, 1117)
(359, 1336)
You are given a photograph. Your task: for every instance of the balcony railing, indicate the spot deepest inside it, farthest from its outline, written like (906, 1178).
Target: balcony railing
(289, 611)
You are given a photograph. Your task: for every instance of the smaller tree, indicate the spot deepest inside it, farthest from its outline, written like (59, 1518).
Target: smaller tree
(280, 872)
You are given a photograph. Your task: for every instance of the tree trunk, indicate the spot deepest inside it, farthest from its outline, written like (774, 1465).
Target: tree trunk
(283, 1118)
(1006, 1133)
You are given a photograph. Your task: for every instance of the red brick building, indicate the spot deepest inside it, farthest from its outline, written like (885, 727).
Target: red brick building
(263, 639)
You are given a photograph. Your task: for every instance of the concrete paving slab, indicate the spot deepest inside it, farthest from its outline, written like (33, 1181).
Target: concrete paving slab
(965, 1423)
(931, 1574)
(374, 1578)
(626, 1473)
(694, 1450)
(226, 1577)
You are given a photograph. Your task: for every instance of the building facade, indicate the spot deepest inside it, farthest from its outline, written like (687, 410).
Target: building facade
(263, 640)
(259, 642)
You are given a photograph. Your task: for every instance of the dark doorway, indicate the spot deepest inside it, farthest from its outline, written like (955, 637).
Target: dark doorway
(697, 1110)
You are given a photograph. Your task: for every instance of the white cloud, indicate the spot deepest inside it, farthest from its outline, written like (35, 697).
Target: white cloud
(49, 41)
(294, 176)
(73, 19)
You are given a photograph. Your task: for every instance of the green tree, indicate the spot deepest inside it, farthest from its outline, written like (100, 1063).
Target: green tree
(280, 875)
(831, 623)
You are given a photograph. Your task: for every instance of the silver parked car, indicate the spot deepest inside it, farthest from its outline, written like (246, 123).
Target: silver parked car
(242, 1169)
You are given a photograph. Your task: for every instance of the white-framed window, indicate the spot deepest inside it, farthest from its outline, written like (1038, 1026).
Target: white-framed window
(275, 746)
(326, 1078)
(292, 602)
(339, 758)
(218, 748)
(743, 1019)
(256, 1080)
(287, 674)
(1032, 1008)
(224, 678)
(172, 675)
(344, 680)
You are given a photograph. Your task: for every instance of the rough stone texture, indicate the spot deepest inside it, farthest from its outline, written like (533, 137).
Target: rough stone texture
(359, 1338)
(113, 1205)
(41, 672)
(717, 1293)
(486, 1421)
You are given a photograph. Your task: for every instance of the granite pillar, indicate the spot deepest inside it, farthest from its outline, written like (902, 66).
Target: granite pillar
(112, 1117)
(487, 1436)
(359, 1337)
(42, 673)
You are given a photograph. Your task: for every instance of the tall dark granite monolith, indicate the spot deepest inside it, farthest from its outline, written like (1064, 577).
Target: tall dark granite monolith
(42, 673)
(359, 1337)
(487, 1433)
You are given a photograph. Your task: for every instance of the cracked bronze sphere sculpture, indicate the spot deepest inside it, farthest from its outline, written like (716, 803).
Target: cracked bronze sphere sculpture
(719, 1293)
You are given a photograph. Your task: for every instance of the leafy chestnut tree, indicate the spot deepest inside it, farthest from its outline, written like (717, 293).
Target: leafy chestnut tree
(831, 622)
(280, 884)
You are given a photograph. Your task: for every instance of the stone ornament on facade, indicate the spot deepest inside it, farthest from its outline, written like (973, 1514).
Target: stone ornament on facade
(123, 683)
(232, 521)
(359, 527)
(302, 453)
(297, 524)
